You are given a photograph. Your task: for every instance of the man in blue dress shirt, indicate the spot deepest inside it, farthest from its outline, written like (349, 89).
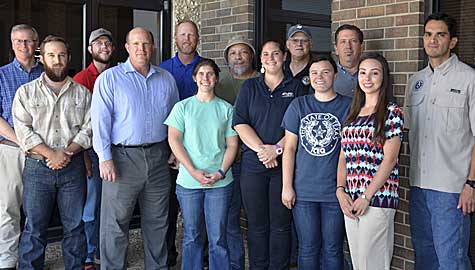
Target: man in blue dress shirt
(181, 67)
(24, 68)
(129, 105)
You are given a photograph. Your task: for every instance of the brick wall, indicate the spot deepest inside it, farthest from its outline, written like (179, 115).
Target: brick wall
(393, 28)
(220, 20)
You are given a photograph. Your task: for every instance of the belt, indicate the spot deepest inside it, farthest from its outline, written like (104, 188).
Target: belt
(144, 146)
(36, 156)
(9, 143)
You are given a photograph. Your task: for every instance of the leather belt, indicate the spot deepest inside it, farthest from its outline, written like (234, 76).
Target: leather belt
(144, 146)
(36, 156)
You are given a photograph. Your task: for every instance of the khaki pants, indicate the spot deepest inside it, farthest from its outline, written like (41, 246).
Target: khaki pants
(12, 162)
(371, 239)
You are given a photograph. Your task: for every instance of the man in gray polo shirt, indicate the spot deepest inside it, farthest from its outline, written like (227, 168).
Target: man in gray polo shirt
(440, 113)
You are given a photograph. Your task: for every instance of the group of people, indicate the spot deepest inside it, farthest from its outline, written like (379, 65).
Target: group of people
(306, 144)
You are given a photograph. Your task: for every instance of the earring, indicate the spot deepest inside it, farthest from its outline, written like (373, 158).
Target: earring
(263, 70)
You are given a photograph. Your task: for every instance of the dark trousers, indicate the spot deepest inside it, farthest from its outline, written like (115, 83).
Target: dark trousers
(268, 220)
(173, 210)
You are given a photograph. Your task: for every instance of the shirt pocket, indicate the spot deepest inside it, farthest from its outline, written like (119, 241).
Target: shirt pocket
(38, 105)
(452, 113)
(74, 109)
(416, 108)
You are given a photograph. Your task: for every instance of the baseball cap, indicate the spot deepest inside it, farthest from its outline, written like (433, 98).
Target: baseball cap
(99, 33)
(298, 28)
(238, 39)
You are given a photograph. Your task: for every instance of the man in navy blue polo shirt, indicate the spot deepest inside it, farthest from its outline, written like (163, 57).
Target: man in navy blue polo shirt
(299, 43)
(181, 67)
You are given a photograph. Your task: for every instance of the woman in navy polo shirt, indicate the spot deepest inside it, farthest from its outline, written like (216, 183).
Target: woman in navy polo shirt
(259, 110)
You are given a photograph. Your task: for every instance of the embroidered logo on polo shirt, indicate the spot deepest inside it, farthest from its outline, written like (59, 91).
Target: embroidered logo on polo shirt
(319, 133)
(419, 85)
(287, 94)
(306, 80)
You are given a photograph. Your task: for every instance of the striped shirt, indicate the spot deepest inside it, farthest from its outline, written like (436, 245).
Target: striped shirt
(41, 116)
(12, 76)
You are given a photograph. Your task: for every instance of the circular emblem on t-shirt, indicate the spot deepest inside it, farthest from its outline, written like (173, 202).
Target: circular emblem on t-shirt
(306, 80)
(419, 84)
(319, 133)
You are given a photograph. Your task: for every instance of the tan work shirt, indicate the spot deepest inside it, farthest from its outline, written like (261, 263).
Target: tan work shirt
(440, 115)
(41, 116)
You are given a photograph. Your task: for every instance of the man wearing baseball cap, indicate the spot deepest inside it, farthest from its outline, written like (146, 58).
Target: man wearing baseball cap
(239, 55)
(101, 48)
(299, 43)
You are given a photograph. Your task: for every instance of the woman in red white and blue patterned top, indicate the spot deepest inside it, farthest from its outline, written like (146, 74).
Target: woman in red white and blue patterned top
(367, 181)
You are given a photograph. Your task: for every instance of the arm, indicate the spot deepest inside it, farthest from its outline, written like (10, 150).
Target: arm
(346, 203)
(175, 138)
(84, 135)
(249, 137)
(7, 131)
(467, 197)
(391, 151)
(288, 164)
(229, 156)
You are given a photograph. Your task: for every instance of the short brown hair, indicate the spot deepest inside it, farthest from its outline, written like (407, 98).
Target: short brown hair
(190, 22)
(53, 38)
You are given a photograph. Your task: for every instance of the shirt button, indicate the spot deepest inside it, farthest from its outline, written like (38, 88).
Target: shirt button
(271, 96)
(56, 131)
(425, 136)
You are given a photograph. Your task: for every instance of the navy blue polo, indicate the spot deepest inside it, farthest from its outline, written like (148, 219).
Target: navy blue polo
(263, 110)
(303, 76)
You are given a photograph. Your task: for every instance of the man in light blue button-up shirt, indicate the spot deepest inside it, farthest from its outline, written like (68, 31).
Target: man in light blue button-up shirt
(129, 105)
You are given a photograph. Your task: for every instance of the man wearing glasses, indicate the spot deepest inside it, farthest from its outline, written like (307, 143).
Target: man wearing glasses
(299, 43)
(101, 48)
(24, 68)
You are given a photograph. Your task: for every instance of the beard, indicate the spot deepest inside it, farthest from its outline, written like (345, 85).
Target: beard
(186, 50)
(56, 73)
(97, 57)
(239, 70)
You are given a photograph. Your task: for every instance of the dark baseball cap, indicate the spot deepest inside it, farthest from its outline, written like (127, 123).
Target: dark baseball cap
(298, 28)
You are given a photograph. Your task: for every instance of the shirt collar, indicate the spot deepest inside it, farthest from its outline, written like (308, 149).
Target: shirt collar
(193, 61)
(127, 66)
(66, 85)
(447, 65)
(92, 69)
(284, 82)
(340, 67)
(17, 64)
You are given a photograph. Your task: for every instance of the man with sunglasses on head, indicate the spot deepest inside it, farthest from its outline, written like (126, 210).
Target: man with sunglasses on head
(101, 48)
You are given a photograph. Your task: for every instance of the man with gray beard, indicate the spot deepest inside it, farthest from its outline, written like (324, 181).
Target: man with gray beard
(239, 55)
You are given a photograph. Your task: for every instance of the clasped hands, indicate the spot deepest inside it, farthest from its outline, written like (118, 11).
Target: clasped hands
(267, 155)
(351, 209)
(59, 159)
(206, 179)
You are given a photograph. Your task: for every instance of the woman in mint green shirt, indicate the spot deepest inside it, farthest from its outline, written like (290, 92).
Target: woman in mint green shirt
(204, 143)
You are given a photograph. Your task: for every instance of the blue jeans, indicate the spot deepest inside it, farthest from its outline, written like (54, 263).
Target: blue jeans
(42, 189)
(320, 230)
(92, 208)
(440, 232)
(211, 204)
(234, 235)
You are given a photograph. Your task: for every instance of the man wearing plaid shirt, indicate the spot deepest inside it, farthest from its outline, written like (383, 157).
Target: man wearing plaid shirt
(22, 69)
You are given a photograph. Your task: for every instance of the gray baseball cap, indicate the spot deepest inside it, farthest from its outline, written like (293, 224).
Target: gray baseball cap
(298, 28)
(238, 39)
(99, 33)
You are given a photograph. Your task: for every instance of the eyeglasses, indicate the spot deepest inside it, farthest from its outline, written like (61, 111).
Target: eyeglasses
(19, 42)
(296, 41)
(100, 44)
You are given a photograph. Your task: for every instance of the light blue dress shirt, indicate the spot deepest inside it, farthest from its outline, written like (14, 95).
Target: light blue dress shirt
(129, 109)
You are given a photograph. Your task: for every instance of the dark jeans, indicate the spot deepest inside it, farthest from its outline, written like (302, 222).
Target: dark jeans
(320, 229)
(92, 209)
(234, 235)
(42, 189)
(268, 220)
(173, 210)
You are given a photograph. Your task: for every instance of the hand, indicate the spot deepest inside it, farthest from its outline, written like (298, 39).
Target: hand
(58, 159)
(466, 200)
(271, 164)
(288, 197)
(360, 206)
(200, 176)
(173, 162)
(266, 153)
(212, 178)
(107, 170)
(346, 203)
(88, 164)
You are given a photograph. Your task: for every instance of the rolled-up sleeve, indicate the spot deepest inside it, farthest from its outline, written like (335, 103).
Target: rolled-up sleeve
(23, 121)
(83, 138)
(101, 116)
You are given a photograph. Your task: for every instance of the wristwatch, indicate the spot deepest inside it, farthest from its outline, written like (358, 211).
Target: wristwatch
(366, 198)
(470, 182)
(278, 149)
